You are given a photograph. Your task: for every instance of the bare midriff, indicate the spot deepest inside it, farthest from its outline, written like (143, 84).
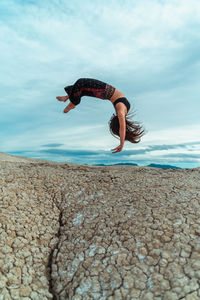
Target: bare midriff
(117, 94)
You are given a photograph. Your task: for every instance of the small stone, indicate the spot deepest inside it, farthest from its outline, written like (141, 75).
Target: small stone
(139, 285)
(165, 255)
(165, 285)
(6, 249)
(194, 284)
(134, 294)
(192, 296)
(187, 289)
(124, 292)
(170, 296)
(165, 238)
(34, 296)
(148, 296)
(163, 262)
(27, 279)
(155, 253)
(3, 280)
(77, 297)
(5, 295)
(13, 279)
(196, 265)
(15, 293)
(128, 282)
(25, 291)
(185, 254)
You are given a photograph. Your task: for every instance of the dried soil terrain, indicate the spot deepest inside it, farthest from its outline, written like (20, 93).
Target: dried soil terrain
(70, 231)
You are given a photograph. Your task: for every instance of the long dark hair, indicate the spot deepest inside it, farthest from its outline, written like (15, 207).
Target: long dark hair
(134, 130)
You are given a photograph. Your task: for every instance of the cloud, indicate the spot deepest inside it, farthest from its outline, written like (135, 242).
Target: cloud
(77, 153)
(182, 155)
(52, 145)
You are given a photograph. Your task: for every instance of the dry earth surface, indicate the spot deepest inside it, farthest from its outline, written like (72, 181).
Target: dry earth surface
(69, 231)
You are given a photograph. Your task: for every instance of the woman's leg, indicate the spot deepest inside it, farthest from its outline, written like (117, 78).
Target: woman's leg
(62, 98)
(69, 107)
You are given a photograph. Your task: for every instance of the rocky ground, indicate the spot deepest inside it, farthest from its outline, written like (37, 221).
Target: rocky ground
(80, 232)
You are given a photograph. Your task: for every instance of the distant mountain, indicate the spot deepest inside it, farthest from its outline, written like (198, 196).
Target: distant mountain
(133, 164)
(163, 166)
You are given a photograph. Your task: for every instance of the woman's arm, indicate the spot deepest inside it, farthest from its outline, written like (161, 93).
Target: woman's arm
(122, 132)
(122, 128)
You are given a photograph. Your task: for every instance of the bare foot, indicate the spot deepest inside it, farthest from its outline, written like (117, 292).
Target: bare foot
(69, 107)
(63, 98)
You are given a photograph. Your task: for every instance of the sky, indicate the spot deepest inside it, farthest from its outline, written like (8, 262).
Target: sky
(148, 49)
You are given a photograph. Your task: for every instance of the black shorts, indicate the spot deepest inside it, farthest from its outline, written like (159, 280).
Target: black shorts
(89, 87)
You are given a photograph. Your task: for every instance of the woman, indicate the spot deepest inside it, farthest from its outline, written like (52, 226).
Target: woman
(119, 124)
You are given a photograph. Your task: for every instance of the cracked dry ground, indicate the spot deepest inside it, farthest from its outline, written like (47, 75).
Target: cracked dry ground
(80, 232)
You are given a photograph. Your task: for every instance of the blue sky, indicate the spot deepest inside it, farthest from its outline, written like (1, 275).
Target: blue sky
(149, 50)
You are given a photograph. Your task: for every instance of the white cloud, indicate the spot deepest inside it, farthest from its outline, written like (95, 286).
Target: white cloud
(176, 135)
(148, 49)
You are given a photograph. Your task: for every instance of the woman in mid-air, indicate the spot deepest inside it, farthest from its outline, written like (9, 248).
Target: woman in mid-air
(120, 124)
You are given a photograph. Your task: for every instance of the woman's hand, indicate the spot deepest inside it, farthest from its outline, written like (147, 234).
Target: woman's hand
(117, 149)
